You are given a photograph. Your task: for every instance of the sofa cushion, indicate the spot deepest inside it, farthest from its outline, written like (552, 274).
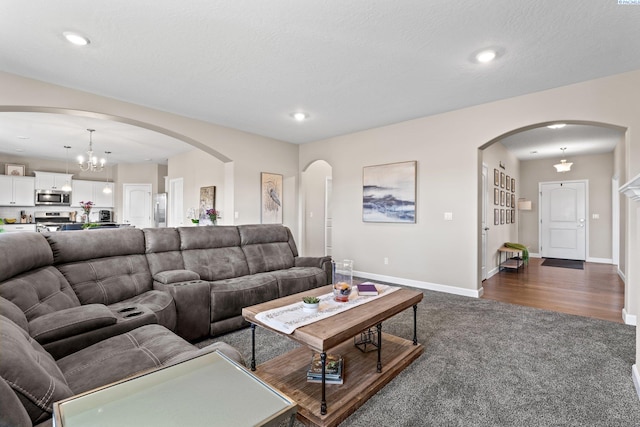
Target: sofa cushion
(229, 296)
(70, 322)
(124, 355)
(13, 313)
(299, 279)
(30, 371)
(100, 243)
(162, 246)
(13, 413)
(108, 280)
(14, 248)
(39, 292)
(266, 247)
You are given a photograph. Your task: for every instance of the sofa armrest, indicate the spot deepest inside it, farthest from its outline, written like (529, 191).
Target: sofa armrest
(193, 307)
(323, 262)
(175, 276)
(69, 322)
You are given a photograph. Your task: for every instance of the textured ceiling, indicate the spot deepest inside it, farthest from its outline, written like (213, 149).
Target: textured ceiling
(351, 65)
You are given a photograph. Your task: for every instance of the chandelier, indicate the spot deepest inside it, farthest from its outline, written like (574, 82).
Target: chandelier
(563, 166)
(91, 164)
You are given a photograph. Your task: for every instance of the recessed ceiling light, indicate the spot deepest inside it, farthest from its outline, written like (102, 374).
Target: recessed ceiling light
(557, 126)
(486, 56)
(75, 38)
(300, 116)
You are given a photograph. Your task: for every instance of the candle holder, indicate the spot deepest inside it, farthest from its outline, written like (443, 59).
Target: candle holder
(367, 340)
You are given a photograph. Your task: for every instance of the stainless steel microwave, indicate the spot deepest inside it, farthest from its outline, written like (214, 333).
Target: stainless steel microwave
(53, 198)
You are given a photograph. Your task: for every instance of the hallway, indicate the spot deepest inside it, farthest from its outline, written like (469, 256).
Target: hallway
(597, 291)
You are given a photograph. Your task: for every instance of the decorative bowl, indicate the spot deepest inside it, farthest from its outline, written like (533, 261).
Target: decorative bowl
(10, 220)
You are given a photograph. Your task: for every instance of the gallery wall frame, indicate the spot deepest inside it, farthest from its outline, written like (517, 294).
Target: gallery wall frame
(496, 217)
(389, 192)
(496, 177)
(270, 198)
(207, 199)
(14, 170)
(502, 179)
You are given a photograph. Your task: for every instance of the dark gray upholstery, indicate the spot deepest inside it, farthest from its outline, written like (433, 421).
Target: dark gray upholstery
(230, 295)
(266, 247)
(34, 253)
(162, 246)
(69, 322)
(13, 313)
(30, 371)
(74, 247)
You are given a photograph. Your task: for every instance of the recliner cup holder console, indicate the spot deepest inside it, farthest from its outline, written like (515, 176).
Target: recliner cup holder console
(124, 310)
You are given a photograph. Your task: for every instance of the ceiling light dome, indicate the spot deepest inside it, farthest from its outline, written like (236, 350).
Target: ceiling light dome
(75, 38)
(485, 56)
(300, 116)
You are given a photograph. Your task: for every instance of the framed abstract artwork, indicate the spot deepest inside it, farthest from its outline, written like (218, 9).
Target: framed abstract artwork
(389, 192)
(14, 170)
(207, 199)
(271, 198)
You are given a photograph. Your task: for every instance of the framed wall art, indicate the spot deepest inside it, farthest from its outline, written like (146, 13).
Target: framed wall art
(14, 170)
(508, 214)
(513, 216)
(513, 185)
(496, 177)
(389, 192)
(508, 201)
(501, 216)
(502, 179)
(207, 199)
(270, 198)
(496, 217)
(513, 200)
(501, 197)
(496, 196)
(508, 183)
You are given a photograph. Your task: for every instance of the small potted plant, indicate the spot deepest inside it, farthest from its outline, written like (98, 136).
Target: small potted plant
(310, 304)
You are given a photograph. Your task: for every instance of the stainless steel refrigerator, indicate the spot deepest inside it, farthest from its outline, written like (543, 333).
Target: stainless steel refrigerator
(160, 210)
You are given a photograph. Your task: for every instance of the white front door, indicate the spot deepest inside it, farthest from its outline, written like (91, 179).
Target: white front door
(137, 205)
(563, 219)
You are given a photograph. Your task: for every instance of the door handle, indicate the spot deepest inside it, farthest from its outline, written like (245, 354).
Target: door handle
(486, 229)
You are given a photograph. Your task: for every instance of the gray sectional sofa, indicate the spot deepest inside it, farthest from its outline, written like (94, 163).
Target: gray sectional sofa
(80, 309)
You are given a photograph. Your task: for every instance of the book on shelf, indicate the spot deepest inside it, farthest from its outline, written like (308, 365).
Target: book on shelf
(333, 369)
(367, 288)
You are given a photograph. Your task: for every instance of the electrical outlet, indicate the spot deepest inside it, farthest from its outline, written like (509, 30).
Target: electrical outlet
(310, 214)
(386, 261)
(236, 215)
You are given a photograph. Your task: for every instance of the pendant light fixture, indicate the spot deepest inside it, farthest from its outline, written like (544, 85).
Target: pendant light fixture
(67, 185)
(91, 164)
(107, 187)
(563, 166)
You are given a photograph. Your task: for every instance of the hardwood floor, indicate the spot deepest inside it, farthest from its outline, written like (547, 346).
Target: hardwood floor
(597, 291)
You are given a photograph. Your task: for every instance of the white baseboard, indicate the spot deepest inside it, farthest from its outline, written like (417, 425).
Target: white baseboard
(493, 272)
(600, 260)
(422, 285)
(629, 319)
(534, 255)
(636, 379)
(622, 276)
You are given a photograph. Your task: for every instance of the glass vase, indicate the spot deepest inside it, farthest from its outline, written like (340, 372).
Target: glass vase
(342, 279)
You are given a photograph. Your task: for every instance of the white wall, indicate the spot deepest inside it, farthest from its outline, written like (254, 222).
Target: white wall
(434, 251)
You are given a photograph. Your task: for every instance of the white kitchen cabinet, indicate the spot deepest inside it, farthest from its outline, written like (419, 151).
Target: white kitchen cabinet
(84, 191)
(14, 228)
(51, 180)
(17, 190)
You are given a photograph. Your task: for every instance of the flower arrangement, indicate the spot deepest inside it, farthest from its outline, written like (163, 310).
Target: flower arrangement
(213, 215)
(86, 206)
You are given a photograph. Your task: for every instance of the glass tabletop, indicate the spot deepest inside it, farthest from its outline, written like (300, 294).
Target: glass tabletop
(209, 390)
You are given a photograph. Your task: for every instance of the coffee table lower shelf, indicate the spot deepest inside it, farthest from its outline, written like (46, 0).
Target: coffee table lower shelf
(288, 373)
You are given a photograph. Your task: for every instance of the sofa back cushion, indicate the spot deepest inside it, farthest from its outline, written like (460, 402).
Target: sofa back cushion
(20, 252)
(39, 292)
(75, 246)
(162, 246)
(102, 266)
(13, 313)
(213, 252)
(108, 280)
(30, 371)
(267, 247)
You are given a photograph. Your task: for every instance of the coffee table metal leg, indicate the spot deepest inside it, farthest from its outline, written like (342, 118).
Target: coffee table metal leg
(379, 328)
(253, 346)
(415, 324)
(323, 403)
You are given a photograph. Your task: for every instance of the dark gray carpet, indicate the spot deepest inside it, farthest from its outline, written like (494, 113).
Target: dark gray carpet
(563, 263)
(488, 363)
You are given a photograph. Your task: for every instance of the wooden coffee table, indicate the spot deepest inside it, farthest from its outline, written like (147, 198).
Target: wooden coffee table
(364, 373)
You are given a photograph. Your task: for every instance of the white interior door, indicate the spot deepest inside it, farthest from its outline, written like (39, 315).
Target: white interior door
(563, 224)
(483, 226)
(137, 205)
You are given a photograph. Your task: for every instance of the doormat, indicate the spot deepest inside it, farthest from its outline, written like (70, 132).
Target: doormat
(564, 263)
